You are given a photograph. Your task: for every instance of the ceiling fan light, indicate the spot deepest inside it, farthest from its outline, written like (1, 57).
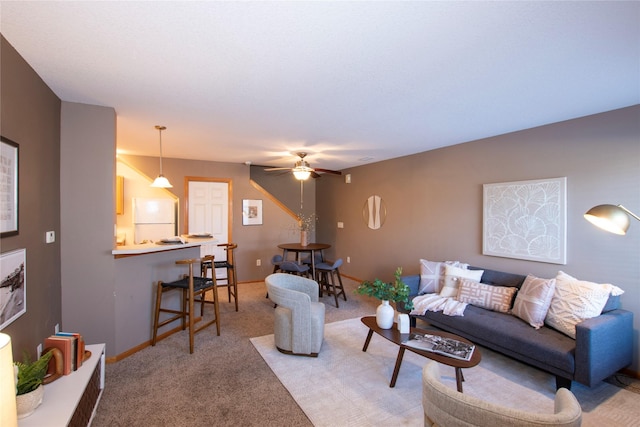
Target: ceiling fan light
(161, 182)
(301, 174)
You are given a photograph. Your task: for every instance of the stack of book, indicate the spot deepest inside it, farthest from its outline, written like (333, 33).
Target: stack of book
(72, 347)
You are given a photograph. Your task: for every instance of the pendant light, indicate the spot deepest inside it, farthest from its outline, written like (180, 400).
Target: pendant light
(161, 181)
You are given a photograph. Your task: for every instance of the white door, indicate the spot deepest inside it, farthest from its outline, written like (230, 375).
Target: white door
(209, 213)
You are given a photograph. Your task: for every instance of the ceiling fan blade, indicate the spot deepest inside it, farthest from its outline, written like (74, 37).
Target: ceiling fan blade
(327, 171)
(314, 174)
(277, 169)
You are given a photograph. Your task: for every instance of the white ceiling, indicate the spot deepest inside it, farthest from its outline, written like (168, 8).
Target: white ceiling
(349, 82)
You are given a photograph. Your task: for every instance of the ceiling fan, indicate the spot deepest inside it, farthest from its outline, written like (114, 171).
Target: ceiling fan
(302, 171)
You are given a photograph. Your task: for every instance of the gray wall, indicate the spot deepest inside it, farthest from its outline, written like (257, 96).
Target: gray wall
(30, 116)
(434, 202)
(87, 193)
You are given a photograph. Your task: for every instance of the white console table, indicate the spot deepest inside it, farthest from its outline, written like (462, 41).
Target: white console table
(72, 400)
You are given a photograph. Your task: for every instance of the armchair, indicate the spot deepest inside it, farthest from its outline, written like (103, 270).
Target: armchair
(298, 316)
(444, 406)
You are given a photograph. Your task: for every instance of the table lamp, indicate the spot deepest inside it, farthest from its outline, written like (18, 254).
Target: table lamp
(8, 411)
(612, 218)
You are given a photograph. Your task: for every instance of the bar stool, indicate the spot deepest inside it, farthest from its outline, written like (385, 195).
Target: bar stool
(230, 279)
(326, 278)
(191, 288)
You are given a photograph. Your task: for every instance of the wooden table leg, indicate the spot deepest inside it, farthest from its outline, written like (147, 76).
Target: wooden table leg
(459, 379)
(366, 342)
(394, 377)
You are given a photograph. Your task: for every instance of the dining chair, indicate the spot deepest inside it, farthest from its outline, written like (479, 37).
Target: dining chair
(193, 289)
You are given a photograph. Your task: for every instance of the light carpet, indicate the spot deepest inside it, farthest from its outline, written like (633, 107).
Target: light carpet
(345, 386)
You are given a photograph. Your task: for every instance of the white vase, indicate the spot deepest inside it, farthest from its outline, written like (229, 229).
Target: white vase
(384, 315)
(304, 238)
(27, 403)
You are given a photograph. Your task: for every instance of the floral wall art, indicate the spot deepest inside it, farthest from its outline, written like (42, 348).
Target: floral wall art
(526, 220)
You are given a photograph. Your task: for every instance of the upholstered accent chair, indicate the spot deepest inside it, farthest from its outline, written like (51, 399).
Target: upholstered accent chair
(446, 407)
(298, 316)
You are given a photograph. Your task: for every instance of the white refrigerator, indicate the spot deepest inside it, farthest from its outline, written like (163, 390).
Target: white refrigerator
(153, 219)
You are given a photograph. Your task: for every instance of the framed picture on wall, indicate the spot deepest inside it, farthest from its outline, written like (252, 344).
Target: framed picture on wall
(8, 187)
(251, 212)
(526, 220)
(13, 286)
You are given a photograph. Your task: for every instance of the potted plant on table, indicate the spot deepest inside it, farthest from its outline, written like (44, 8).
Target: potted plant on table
(29, 379)
(396, 291)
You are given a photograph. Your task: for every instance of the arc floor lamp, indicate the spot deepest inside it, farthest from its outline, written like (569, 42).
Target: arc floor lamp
(612, 218)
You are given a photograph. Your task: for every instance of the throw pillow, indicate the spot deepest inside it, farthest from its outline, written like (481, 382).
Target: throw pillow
(574, 301)
(429, 277)
(452, 279)
(533, 300)
(495, 298)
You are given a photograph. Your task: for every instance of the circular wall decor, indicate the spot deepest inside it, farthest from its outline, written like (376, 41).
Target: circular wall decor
(374, 212)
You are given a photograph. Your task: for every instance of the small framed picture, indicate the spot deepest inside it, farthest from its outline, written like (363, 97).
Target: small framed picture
(251, 212)
(8, 188)
(13, 286)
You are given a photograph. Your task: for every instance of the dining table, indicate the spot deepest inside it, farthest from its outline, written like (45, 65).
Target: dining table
(299, 249)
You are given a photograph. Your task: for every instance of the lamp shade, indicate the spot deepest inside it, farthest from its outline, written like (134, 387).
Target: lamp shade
(8, 411)
(161, 182)
(611, 218)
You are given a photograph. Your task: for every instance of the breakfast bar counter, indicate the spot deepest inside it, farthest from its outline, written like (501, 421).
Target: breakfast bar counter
(137, 270)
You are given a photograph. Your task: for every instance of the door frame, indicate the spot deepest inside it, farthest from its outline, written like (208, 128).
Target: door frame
(229, 182)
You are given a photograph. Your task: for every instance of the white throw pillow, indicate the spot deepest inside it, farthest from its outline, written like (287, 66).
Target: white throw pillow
(452, 276)
(430, 274)
(533, 300)
(574, 301)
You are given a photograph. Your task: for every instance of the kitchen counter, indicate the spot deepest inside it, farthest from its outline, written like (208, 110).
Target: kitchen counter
(145, 248)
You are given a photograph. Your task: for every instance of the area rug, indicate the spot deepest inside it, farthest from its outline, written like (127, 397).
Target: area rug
(348, 387)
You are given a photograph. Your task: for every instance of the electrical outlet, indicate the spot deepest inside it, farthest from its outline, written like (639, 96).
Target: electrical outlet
(340, 224)
(56, 329)
(258, 263)
(38, 351)
(348, 260)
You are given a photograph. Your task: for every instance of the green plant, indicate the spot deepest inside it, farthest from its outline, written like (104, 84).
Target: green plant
(396, 291)
(30, 375)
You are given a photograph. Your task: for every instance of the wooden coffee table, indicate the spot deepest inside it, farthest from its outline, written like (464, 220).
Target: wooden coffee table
(396, 337)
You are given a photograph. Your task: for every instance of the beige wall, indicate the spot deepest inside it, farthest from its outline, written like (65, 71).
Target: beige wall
(434, 202)
(255, 241)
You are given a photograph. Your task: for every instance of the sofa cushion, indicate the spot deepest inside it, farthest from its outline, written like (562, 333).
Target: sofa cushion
(574, 301)
(452, 279)
(496, 298)
(533, 300)
(509, 335)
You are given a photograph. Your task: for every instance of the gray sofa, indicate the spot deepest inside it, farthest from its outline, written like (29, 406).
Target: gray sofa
(603, 344)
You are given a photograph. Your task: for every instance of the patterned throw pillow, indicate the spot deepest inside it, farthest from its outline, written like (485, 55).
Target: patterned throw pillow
(574, 301)
(430, 277)
(495, 298)
(453, 277)
(533, 300)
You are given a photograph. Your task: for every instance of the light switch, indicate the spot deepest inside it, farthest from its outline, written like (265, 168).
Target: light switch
(340, 224)
(50, 236)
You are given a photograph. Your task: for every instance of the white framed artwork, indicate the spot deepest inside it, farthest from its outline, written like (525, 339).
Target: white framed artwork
(251, 212)
(13, 286)
(526, 220)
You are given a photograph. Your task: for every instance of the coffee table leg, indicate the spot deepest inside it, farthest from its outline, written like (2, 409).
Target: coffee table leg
(366, 343)
(394, 377)
(459, 379)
